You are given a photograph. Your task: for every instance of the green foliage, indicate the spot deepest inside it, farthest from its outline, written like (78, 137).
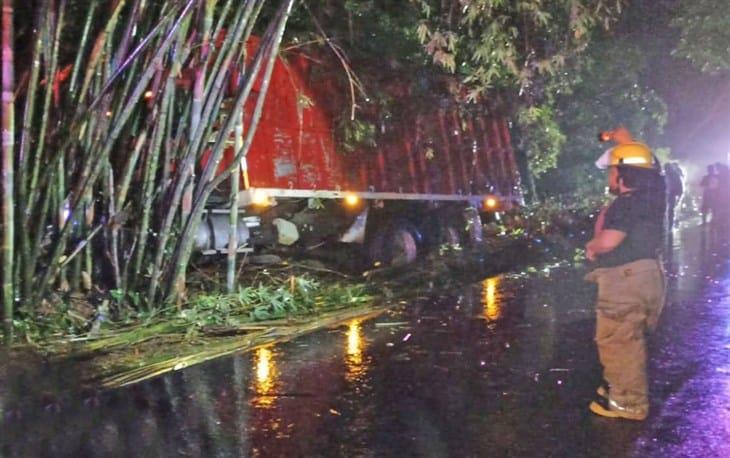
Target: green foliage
(561, 210)
(128, 298)
(579, 257)
(495, 44)
(540, 137)
(356, 134)
(519, 49)
(33, 326)
(122, 100)
(367, 46)
(607, 89)
(276, 299)
(705, 34)
(449, 248)
(272, 299)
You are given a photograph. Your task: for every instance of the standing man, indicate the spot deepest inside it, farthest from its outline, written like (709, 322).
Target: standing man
(710, 189)
(626, 252)
(674, 177)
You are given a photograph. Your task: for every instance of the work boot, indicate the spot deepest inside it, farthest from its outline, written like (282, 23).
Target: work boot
(610, 409)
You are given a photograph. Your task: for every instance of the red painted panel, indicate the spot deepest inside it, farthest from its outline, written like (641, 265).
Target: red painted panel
(428, 152)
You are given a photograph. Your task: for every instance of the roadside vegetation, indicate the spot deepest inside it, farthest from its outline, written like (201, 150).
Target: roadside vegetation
(118, 342)
(111, 114)
(274, 296)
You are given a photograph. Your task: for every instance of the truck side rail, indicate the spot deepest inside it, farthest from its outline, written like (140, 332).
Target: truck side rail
(254, 196)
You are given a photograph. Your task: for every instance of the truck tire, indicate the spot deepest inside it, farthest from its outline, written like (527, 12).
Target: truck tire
(393, 244)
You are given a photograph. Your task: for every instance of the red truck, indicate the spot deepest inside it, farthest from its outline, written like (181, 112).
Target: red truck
(425, 183)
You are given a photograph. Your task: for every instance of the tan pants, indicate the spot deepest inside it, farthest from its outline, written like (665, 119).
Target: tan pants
(630, 300)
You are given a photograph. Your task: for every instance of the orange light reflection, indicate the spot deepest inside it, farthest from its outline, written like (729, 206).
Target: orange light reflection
(491, 298)
(265, 377)
(354, 360)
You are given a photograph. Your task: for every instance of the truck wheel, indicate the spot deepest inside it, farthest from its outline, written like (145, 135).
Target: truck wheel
(393, 245)
(403, 249)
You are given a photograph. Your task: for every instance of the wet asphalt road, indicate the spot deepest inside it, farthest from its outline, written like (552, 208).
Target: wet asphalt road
(502, 367)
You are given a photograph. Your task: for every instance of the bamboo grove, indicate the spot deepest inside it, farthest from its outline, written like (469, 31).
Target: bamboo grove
(113, 114)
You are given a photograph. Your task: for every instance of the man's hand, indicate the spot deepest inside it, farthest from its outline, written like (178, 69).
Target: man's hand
(605, 242)
(590, 254)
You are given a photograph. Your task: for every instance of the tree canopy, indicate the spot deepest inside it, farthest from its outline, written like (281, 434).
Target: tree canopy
(513, 45)
(517, 53)
(705, 34)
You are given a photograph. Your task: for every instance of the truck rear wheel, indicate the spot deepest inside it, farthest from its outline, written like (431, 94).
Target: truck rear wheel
(393, 245)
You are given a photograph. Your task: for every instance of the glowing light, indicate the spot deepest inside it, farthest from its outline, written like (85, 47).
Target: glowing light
(354, 341)
(491, 298)
(263, 366)
(354, 360)
(352, 200)
(265, 376)
(491, 203)
(148, 95)
(260, 197)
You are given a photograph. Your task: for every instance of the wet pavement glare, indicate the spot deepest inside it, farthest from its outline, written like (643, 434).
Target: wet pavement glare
(502, 367)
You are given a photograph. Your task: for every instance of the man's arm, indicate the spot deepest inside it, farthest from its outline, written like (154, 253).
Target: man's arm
(604, 242)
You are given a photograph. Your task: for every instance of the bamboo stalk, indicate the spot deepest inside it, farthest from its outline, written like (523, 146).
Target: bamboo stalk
(129, 168)
(121, 48)
(269, 49)
(212, 183)
(80, 148)
(222, 16)
(96, 54)
(82, 45)
(149, 180)
(60, 207)
(111, 137)
(25, 144)
(240, 100)
(233, 216)
(181, 181)
(8, 153)
(278, 333)
(131, 58)
(242, 14)
(113, 229)
(53, 28)
(81, 245)
(163, 231)
(29, 268)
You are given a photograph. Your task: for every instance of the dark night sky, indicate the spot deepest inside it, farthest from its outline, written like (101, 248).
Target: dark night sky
(699, 117)
(698, 125)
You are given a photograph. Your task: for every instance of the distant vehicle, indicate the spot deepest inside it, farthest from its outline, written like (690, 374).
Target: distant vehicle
(426, 182)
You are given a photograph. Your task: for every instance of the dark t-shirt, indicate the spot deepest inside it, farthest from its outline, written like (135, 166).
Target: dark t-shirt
(641, 216)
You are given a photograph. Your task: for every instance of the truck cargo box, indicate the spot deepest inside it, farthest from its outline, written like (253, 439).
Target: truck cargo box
(443, 153)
